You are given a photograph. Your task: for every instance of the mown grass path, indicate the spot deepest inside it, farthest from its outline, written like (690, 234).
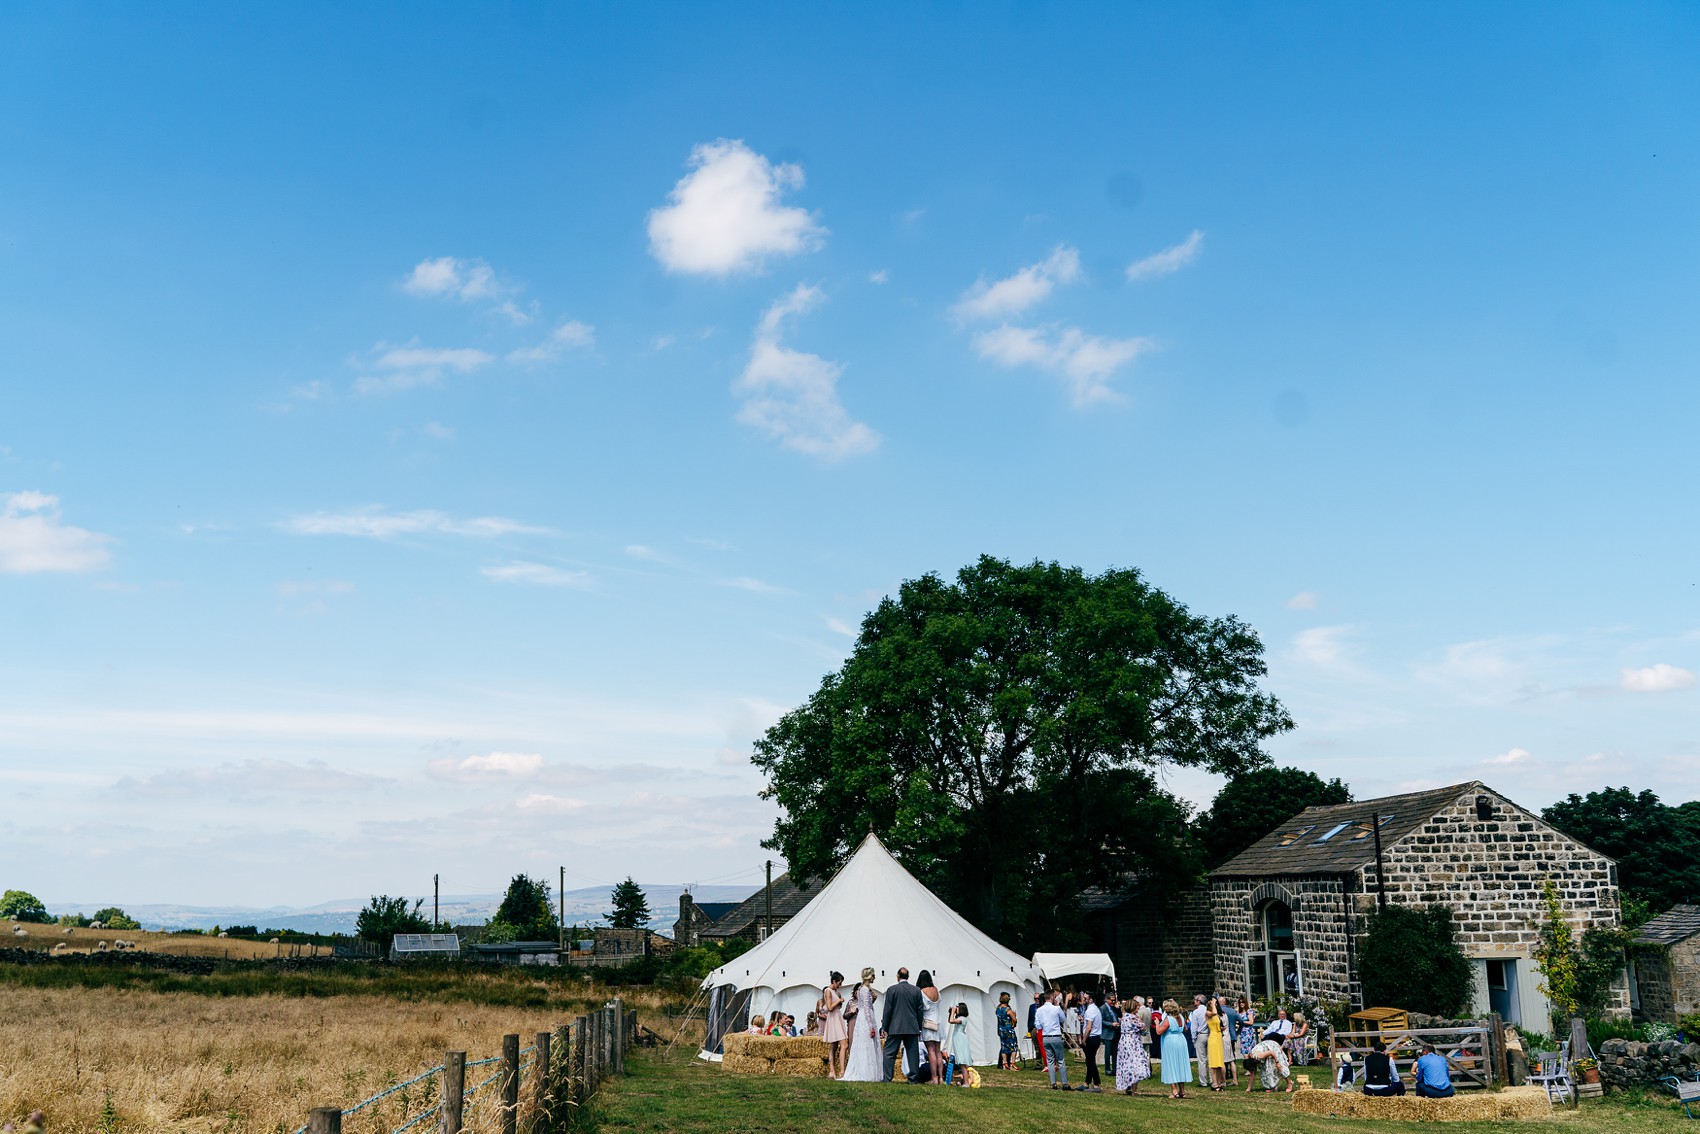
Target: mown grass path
(671, 1091)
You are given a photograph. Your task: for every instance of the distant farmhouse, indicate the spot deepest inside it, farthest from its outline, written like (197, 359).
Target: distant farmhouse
(1665, 975)
(1288, 913)
(719, 921)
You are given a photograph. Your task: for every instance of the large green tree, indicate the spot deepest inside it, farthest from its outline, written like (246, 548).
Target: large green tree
(528, 908)
(1410, 958)
(114, 918)
(21, 905)
(631, 908)
(384, 917)
(1254, 803)
(1001, 731)
(1657, 847)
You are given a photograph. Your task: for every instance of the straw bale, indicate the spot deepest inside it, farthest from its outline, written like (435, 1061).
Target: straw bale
(747, 1065)
(1469, 1106)
(800, 1068)
(737, 1043)
(800, 1047)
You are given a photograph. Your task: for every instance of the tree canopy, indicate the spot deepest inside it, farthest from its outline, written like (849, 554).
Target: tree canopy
(1254, 803)
(1657, 847)
(1410, 958)
(384, 917)
(114, 918)
(631, 908)
(1001, 732)
(21, 905)
(527, 907)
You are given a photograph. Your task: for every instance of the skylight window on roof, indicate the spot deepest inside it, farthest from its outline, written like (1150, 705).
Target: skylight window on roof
(1332, 831)
(1362, 830)
(1288, 838)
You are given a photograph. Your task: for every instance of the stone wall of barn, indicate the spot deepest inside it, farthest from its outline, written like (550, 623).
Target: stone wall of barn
(1321, 917)
(1668, 980)
(1160, 949)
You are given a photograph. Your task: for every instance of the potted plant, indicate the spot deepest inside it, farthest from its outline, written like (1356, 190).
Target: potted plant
(1586, 1070)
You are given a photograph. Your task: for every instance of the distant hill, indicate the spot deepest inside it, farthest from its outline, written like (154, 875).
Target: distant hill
(587, 906)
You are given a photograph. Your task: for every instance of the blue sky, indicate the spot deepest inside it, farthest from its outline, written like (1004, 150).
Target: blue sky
(440, 438)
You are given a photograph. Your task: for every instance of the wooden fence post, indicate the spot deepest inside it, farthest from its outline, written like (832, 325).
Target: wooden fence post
(1501, 1068)
(510, 1083)
(542, 1084)
(454, 1090)
(324, 1120)
(619, 1036)
(581, 1057)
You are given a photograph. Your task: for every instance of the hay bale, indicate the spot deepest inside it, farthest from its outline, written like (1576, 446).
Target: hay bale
(737, 1043)
(746, 1065)
(801, 1047)
(800, 1068)
(1470, 1106)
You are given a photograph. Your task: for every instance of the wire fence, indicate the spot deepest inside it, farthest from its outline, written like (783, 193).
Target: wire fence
(549, 1092)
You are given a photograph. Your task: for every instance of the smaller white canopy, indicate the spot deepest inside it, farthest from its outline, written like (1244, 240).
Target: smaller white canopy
(1055, 965)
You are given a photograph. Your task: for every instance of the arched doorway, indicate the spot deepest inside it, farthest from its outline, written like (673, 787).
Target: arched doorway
(1272, 964)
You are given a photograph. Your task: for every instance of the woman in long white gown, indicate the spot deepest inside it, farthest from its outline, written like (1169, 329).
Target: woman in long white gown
(863, 1065)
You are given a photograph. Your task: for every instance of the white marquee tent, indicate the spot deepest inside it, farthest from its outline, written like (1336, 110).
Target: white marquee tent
(1055, 966)
(872, 913)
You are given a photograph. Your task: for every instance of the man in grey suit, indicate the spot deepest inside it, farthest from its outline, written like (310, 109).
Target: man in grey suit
(901, 1023)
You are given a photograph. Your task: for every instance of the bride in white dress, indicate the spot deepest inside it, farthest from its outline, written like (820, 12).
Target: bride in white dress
(865, 1047)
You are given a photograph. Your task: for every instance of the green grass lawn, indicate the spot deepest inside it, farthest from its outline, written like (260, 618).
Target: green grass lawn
(672, 1091)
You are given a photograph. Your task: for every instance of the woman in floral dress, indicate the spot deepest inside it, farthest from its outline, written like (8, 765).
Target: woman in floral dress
(1133, 1065)
(1248, 1027)
(1008, 1046)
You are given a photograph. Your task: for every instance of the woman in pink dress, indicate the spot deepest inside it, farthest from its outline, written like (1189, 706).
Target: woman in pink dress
(832, 1027)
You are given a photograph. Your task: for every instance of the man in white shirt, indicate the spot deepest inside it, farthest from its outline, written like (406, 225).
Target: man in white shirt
(1280, 1028)
(1196, 1033)
(1092, 1036)
(1048, 1022)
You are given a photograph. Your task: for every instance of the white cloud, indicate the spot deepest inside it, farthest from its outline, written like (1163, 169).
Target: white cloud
(461, 359)
(1304, 600)
(1515, 756)
(1323, 646)
(449, 278)
(1171, 259)
(724, 216)
(490, 766)
(839, 626)
(568, 336)
(250, 777)
(648, 554)
(1014, 294)
(545, 804)
(792, 396)
(34, 540)
(757, 586)
(436, 431)
(879, 277)
(515, 314)
(1084, 362)
(537, 575)
(1659, 678)
(375, 523)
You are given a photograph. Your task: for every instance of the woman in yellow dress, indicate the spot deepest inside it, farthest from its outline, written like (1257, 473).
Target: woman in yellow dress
(1218, 1064)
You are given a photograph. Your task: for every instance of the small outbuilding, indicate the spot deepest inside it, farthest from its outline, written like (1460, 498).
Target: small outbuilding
(414, 946)
(1665, 973)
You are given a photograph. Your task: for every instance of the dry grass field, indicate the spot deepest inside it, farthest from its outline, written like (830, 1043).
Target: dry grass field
(176, 944)
(237, 1065)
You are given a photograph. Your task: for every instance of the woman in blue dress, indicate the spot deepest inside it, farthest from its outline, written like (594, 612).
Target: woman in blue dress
(1177, 1068)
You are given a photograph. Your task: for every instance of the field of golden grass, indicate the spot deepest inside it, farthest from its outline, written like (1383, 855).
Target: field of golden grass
(176, 944)
(241, 1065)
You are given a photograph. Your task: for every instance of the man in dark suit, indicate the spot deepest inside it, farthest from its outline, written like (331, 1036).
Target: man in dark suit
(901, 1023)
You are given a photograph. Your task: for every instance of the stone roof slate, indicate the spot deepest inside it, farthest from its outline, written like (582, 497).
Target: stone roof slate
(743, 921)
(1678, 923)
(1341, 854)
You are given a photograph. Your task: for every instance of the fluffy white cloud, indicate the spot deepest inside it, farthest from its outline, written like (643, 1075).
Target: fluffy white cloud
(1012, 295)
(375, 523)
(537, 575)
(1659, 678)
(1171, 259)
(1304, 600)
(568, 336)
(490, 766)
(755, 586)
(792, 396)
(33, 539)
(1084, 362)
(543, 803)
(406, 367)
(724, 215)
(1323, 646)
(839, 626)
(1507, 759)
(449, 278)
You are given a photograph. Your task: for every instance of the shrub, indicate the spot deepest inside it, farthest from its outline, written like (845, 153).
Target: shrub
(114, 918)
(21, 905)
(1411, 959)
(1689, 1027)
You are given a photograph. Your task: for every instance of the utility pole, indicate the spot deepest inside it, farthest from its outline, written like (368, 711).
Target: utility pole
(561, 912)
(436, 902)
(1380, 874)
(769, 919)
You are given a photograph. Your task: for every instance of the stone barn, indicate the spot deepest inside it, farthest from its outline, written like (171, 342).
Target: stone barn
(1287, 913)
(1666, 973)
